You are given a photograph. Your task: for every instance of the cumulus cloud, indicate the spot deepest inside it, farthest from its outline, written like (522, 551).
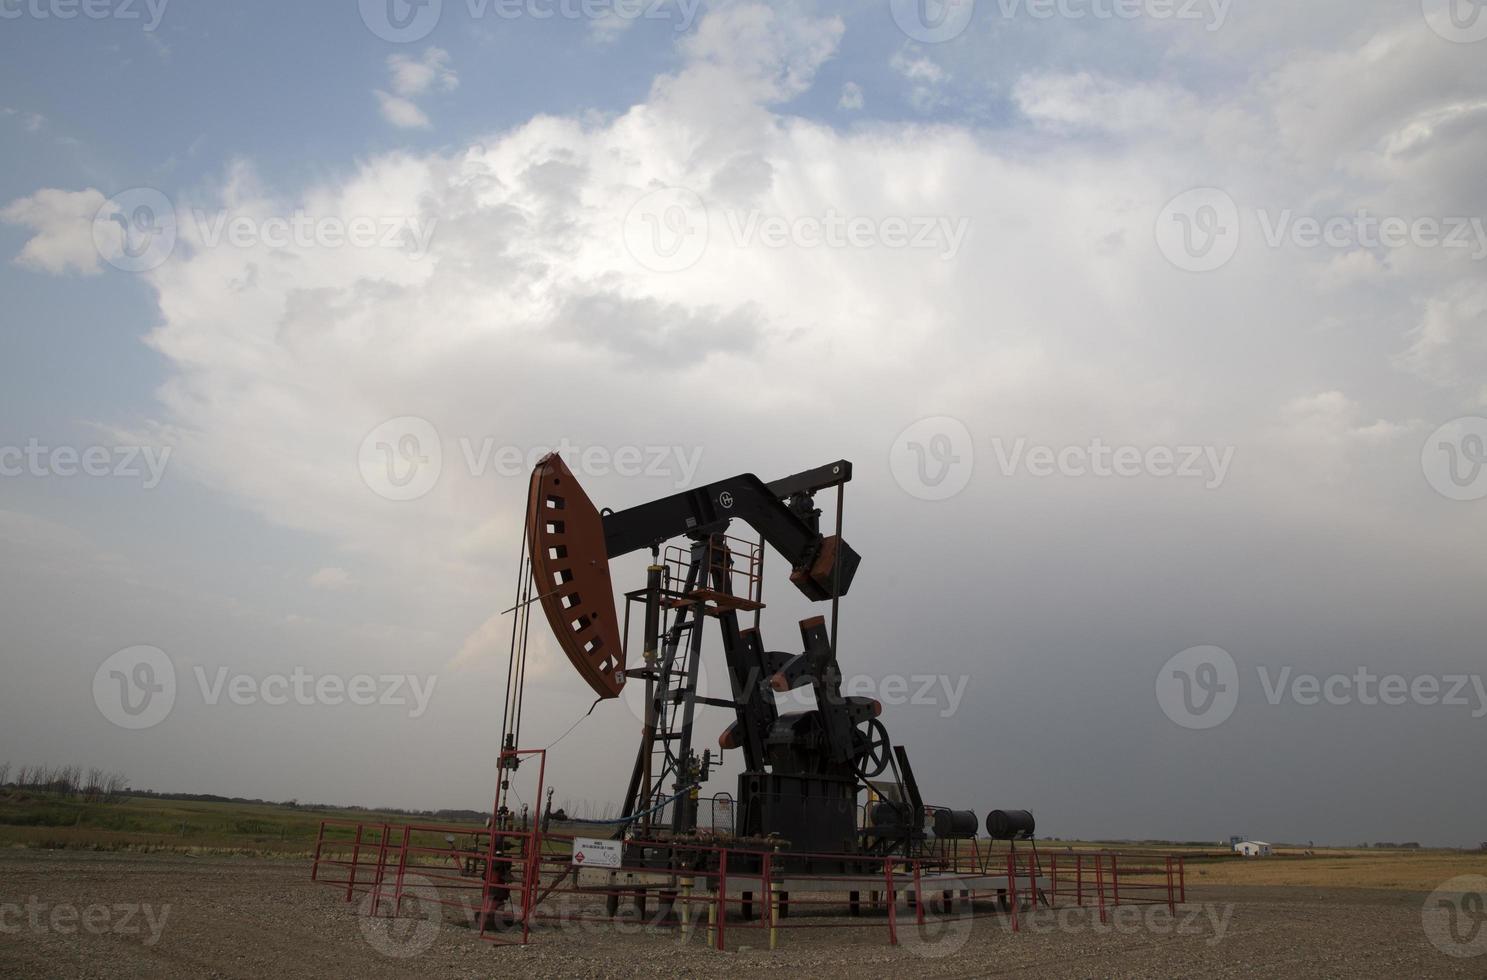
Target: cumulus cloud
(401, 112)
(851, 97)
(925, 75)
(429, 72)
(542, 311)
(63, 225)
(1083, 101)
(409, 78)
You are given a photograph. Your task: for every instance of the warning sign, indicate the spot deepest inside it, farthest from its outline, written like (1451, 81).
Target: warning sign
(591, 853)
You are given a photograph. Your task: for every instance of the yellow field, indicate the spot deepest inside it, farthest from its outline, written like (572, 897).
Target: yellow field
(1403, 870)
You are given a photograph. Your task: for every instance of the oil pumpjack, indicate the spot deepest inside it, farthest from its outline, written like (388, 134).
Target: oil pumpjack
(803, 771)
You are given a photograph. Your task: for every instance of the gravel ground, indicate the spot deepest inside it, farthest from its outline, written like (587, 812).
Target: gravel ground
(70, 914)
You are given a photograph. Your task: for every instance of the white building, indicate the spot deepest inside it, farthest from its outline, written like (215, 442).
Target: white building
(1252, 848)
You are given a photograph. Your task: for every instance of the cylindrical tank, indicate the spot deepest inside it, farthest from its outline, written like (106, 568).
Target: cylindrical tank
(888, 816)
(1010, 824)
(955, 823)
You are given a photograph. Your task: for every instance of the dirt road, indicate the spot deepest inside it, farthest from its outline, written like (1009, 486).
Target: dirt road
(70, 914)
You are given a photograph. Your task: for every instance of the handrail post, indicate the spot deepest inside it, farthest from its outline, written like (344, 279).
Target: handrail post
(355, 857)
(397, 902)
(319, 842)
(1100, 884)
(722, 903)
(892, 902)
(1012, 889)
(770, 898)
(381, 869)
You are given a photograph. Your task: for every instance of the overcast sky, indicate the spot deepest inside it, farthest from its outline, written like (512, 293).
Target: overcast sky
(1155, 332)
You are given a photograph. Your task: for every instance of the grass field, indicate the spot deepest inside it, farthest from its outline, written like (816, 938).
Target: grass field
(149, 824)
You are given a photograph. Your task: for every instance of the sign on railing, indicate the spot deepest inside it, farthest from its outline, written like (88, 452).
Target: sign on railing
(590, 852)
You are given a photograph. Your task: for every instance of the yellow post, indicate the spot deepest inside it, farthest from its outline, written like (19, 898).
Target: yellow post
(686, 898)
(772, 907)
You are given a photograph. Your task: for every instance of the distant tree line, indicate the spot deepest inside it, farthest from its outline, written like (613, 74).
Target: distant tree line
(70, 782)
